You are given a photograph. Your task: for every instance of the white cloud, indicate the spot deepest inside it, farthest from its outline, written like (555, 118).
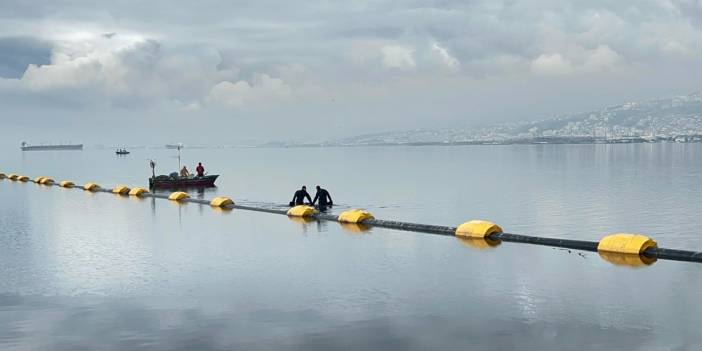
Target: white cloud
(400, 57)
(444, 56)
(113, 66)
(120, 68)
(262, 88)
(364, 54)
(551, 64)
(675, 40)
(190, 107)
(82, 60)
(601, 58)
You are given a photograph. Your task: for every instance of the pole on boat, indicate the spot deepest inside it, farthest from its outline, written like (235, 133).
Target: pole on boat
(180, 146)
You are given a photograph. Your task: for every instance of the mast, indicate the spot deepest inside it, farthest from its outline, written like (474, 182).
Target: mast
(180, 146)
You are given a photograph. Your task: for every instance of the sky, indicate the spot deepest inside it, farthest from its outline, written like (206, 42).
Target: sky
(228, 72)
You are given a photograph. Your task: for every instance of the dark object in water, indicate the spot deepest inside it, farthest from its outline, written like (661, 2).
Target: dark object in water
(122, 152)
(27, 147)
(171, 182)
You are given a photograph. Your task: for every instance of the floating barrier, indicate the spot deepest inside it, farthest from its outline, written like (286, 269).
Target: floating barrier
(2, 175)
(43, 180)
(302, 211)
(121, 190)
(137, 191)
(619, 249)
(626, 244)
(47, 181)
(354, 216)
(178, 196)
(91, 187)
(23, 178)
(477, 229)
(221, 202)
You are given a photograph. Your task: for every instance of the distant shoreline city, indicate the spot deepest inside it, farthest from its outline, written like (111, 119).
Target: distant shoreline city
(533, 141)
(672, 120)
(676, 119)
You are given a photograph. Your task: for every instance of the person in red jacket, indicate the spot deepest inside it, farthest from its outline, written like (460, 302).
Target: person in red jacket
(200, 170)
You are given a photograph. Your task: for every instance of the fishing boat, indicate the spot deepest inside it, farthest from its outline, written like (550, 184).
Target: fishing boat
(176, 181)
(122, 152)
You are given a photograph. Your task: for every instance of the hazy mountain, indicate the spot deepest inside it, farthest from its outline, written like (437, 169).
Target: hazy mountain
(662, 118)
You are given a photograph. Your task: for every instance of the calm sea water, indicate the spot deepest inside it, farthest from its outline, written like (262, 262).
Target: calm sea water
(101, 272)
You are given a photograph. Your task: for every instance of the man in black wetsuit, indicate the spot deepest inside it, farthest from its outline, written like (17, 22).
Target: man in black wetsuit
(299, 197)
(324, 198)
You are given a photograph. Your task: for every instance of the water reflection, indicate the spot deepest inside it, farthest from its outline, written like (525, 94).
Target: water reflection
(127, 325)
(304, 222)
(479, 243)
(90, 271)
(630, 260)
(322, 226)
(153, 206)
(355, 228)
(222, 210)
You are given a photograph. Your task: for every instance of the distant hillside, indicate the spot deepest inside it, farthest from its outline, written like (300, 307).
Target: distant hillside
(661, 118)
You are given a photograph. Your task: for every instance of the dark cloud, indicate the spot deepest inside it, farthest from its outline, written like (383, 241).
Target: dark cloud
(691, 9)
(18, 52)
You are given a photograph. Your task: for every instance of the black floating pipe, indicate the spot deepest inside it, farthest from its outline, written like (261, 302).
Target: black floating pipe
(658, 253)
(674, 255)
(411, 227)
(564, 243)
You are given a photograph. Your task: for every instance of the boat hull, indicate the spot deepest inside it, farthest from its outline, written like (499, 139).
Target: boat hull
(195, 182)
(51, 147)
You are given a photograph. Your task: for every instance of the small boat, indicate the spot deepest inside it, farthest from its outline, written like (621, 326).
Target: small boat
(175, 181)
(122, 152)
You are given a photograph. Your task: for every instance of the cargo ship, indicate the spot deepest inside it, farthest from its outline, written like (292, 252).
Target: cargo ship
(27, 147)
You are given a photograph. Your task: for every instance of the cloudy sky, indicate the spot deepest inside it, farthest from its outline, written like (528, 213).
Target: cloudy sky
(229, 71)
